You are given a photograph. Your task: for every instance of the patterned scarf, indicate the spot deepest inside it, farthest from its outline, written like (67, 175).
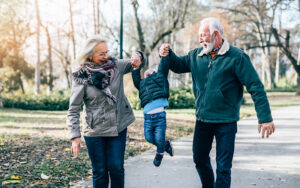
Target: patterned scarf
(99, 76)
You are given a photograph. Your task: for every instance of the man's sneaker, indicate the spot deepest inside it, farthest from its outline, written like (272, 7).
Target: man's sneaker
(169, 148)
(157, 159)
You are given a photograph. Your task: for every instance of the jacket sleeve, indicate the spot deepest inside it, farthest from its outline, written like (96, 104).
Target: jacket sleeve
(136, 77)
(73, 117)
(124, 66)
(164, 66)
(179, 64)
(249, 77)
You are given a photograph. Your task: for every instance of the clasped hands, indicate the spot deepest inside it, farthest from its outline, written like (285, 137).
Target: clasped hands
(135, 60)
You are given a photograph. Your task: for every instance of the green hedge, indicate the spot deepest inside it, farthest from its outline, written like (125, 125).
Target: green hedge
(181, 97)
(37, 102)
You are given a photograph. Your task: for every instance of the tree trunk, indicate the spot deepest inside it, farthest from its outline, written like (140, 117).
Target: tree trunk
(21, 82)
(1, 88)
(285, 49)
(135, 6)
(68, 78)
(263, 68)
(37, 68)
(49, 59)
(72, 29)
(277, 67)
(96, 16)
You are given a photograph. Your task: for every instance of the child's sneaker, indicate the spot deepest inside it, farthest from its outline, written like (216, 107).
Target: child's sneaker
(157, 159)
(169, 148)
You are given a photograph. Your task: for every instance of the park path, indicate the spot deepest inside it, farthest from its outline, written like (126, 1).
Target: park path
(259, 163)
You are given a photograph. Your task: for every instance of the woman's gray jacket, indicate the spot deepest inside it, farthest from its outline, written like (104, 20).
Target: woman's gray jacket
(100, 118)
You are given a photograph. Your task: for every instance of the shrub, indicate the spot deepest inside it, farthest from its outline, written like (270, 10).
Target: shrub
(181, 97)
(134, 100)
(57, 101)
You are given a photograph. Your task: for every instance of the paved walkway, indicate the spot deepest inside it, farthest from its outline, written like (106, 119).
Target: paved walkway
(261, 163)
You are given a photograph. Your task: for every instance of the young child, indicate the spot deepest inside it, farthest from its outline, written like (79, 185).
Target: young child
(154, 94)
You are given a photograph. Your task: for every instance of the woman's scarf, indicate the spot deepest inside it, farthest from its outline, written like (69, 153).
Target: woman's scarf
(99, 76)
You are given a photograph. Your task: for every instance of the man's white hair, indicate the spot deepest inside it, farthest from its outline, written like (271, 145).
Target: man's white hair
(88, 49)
(214, 25)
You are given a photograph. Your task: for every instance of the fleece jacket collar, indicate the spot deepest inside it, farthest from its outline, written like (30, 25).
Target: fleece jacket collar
(225, 47)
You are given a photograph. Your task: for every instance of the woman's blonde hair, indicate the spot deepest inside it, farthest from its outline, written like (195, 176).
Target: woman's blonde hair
(88, 49)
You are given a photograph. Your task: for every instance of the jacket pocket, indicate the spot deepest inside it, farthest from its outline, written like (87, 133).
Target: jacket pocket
(89, 120)
(214, 102)
(99, 118)
(225, 99)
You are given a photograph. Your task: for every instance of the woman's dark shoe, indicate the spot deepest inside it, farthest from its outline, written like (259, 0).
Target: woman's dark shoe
(157, 159)
(169, 148)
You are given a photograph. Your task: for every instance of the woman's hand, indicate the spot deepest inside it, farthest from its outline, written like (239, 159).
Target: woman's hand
(135, 61)
(76, 143)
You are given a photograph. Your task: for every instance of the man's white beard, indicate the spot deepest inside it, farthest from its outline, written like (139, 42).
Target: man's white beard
(208, 47)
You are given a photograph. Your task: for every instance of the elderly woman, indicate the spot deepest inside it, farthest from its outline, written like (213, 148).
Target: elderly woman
(98, 83)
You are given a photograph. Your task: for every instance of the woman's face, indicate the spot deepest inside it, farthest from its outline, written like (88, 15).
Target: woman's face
(100, 55)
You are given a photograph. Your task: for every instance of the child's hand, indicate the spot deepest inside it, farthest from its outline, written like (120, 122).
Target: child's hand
(164, 50)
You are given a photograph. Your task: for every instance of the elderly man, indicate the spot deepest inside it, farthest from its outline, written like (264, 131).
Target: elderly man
(219, 72)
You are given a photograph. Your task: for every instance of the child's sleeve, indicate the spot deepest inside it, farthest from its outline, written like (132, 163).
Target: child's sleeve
(136, 77)
(164, 66)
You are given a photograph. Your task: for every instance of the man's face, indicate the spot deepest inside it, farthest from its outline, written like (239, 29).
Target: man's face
(100, 55)
(205, 38)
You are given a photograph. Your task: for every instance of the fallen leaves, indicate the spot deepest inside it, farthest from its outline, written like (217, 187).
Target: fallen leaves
(15, 177)
(40, 161)
(44, 177)
(6, 182)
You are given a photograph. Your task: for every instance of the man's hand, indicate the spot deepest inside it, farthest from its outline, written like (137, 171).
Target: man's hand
(76, 143)
(266, 128)
(135, 61)
(164, 50)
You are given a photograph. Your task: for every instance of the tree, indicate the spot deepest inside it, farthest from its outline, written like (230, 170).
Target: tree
(258, 16)
(169, 16)
(287, 51)
(14, 31)
(37, 68)
(96, 16)
(72, 29)
(50, 65)
(62, 51)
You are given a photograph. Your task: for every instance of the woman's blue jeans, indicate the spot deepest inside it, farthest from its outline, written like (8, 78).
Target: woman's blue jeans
(155, 130)
(107, 156)
(202, 144)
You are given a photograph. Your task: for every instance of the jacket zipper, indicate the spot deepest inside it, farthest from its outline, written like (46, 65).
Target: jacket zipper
(205, 85)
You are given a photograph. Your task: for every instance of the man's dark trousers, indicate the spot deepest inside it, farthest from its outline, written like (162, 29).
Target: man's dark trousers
(202, 144)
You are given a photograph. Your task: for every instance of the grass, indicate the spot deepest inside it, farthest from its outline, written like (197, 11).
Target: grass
(33, 143)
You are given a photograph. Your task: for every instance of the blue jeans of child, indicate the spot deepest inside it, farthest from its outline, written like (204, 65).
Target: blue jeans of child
(202, 143)
(107, 157)
(155, 130)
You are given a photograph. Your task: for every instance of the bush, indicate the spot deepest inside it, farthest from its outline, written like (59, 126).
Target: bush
(134, 100)
(181, 97)
(56, 101)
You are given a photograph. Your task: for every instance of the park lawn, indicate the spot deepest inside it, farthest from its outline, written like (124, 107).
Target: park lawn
(35, 150)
